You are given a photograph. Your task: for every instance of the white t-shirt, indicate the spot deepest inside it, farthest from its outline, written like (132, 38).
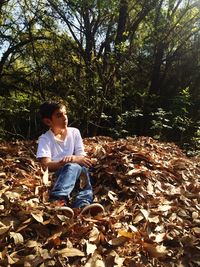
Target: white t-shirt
(55, 149)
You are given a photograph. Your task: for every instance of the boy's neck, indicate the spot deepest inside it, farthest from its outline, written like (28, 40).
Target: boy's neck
(59, 133)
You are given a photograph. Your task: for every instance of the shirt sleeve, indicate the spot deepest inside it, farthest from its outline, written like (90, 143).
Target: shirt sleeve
(44, 149)
(78, 144)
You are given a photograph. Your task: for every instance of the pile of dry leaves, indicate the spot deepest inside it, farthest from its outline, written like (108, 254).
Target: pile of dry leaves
(150, 191)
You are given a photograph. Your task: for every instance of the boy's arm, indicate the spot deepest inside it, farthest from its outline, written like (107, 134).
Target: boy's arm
(51, 165)
(55, 165)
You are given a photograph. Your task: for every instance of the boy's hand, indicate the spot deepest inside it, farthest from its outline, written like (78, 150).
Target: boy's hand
(82, 160)
(66, 159)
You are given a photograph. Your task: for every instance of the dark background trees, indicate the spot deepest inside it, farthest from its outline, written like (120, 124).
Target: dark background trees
(123, 67)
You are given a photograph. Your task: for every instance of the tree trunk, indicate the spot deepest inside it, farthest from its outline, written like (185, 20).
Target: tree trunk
(156, 72)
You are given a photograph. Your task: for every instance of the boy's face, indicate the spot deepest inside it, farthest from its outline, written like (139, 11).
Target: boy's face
(58, 120)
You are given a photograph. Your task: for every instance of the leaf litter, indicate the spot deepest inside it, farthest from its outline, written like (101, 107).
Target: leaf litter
(150, 191)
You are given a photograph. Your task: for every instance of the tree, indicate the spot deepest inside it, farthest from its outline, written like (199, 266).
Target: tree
(17, 30)
(115, 62)
(99, 30)
(174, 25)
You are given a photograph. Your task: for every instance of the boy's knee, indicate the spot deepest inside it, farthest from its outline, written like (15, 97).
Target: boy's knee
(85, 169)
(74, 166)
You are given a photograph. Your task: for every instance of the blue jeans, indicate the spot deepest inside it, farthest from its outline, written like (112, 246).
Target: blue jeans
(69, 176)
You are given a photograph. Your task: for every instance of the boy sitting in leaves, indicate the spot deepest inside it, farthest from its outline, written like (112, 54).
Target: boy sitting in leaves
(61, 150)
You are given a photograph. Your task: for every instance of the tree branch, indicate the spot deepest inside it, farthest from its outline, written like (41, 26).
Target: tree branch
(10, 50)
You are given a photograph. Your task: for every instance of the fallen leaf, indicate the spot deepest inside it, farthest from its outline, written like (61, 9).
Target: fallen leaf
(18, 238)
(4, 229)
(70, 252)
(126, 234)
(196, 230)
(2, 175)
(118, 241)
(90, 248)
(112, 196)
(45, 177)
(33, 243)
(158, 237)
(149, 189)
(145, 213)
(94, 235)
(95, 261)
(155, 250)
(38, 217)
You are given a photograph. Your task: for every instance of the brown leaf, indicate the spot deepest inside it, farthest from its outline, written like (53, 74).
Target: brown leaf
(18, 238)
(4, 229)
(70, 252)
(2, 175)
(95, 261)
(149, 189)
(33, 244)
(90, 248)
(45, 177)
(38, 217)
(94, 235)
(126, 234)
(118, 241)
(155, 250)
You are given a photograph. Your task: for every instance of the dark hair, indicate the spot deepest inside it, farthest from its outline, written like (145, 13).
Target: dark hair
(47, 109)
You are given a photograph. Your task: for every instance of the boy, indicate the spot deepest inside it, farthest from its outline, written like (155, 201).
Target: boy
(61, 150)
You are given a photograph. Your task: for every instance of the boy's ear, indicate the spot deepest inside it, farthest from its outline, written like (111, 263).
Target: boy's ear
(46, 121)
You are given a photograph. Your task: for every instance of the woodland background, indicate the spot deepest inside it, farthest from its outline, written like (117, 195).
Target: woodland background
(129, 72)
(124, 67)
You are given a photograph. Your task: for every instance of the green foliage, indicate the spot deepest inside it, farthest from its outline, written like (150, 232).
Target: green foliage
(160, 122)
(193, 148)
(18, 115)
(177, 122)
(181, 118)
(125, 123)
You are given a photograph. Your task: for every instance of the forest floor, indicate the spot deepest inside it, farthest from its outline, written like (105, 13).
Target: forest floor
(150, 191)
